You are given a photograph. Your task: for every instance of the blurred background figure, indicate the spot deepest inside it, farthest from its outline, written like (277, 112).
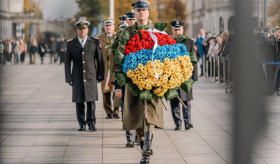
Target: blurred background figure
(42, 50)
(9, 50)
(1, 52)
(23, 50)
(61, 49)
(53, 48)
(33, 49)
(17, 51)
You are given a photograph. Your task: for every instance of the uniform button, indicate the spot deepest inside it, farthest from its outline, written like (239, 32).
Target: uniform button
(84, 62)
(85, 80)
(83, 52)
(84, 71)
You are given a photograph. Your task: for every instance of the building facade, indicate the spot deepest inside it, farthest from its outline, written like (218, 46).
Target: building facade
(8, 27)
(215, 16)
(13, 20)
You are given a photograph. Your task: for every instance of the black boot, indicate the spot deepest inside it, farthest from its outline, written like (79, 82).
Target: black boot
(145, 159)
(147, 146)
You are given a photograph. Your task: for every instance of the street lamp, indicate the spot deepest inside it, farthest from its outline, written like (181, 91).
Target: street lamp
(264, 13)
(111, 9)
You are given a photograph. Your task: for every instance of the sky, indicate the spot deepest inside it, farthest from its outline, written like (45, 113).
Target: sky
(53, 9)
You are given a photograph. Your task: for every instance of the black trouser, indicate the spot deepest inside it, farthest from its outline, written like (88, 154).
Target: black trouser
(22, 57)
(61, 55)
(1, 58)
(176, 112)
(80, 109)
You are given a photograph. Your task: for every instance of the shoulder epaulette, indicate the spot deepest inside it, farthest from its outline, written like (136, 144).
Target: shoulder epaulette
(69, 40)
(95, 38)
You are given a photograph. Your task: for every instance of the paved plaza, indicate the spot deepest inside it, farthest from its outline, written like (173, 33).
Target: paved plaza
(39, 125)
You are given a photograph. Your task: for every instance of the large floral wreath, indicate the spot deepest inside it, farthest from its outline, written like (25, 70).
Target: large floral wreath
(153, 64)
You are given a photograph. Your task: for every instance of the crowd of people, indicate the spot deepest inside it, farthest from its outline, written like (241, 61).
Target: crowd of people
(13, 51)
(211, 47)
(89, 60)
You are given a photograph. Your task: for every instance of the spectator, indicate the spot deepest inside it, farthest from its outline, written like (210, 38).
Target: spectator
(8, 50)
(23, 50)
(199, 43)
(42, 50)
(33, 50)
(17, 51)
(1, 52)
(61, 50)
(53, 45)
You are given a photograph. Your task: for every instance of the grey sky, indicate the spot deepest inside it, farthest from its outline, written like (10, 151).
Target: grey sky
(53, 9)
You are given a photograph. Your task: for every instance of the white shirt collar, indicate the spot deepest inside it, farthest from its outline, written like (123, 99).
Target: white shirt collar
(83, 42)
(109, 35)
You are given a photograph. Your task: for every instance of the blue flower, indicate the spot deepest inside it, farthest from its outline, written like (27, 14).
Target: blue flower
(143, 56)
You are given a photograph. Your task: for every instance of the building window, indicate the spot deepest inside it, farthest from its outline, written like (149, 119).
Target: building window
(222, 25)
(231, 23)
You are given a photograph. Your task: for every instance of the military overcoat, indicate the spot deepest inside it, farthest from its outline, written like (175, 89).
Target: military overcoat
(105, 41)
(133, 112)
(87, 69)
(184, 95)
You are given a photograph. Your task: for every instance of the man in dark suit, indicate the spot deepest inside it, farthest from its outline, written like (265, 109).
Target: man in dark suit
(85, 52)
(177, 28)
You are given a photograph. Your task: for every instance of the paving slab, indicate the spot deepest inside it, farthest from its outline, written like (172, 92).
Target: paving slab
(39, 125)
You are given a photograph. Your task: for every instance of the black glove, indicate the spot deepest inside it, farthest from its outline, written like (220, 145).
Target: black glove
(70, 83)
(99, 80)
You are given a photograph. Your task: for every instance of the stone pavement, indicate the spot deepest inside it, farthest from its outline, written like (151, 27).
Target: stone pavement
(38, 125)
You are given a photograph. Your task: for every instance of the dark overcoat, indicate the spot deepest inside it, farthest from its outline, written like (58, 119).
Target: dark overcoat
(184, 95)
(88, 68)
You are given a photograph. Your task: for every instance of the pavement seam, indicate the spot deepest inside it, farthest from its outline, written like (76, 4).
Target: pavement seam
(67, 145)
(209, 145)
(175, 146)
(102, 136)
(7, 136)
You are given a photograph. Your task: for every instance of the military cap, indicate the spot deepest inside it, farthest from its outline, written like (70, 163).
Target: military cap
(109, 21)
(82, 24)
(177, 24)
(122, 18)
(130, 14)
(141, 4)
(122, 26)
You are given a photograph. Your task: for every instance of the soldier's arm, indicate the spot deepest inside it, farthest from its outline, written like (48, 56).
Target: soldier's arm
(100, 63)
(67, 65)
(195, 70)
(192, 46)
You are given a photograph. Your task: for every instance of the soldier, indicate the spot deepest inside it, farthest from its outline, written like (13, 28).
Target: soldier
(130, 17)
(105, 40)
(133, 113)
(130, 134)
(177, 28)
(85, 52)
(127, 20)
(122, 19)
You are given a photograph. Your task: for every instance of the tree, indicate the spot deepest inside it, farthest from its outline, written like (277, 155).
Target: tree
(123, 6)
(92, 9)
(171, 10)
(274, 14)
(33, 6)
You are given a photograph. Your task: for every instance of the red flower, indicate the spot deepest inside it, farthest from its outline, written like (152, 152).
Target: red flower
(146, 42)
